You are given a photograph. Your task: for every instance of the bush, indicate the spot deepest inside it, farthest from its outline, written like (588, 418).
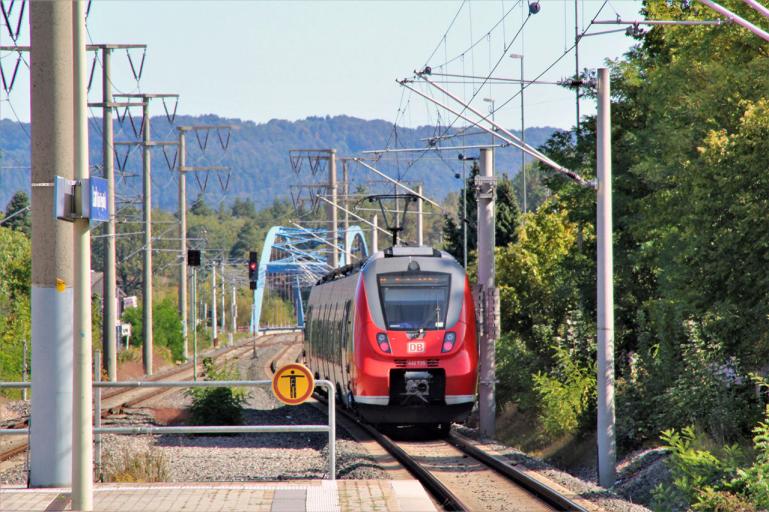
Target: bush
(706, 481)
(565, 394)
(217, 406)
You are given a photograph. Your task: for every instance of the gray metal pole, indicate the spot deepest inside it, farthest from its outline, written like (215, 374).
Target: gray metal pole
(24, 369)
(194, 323)
(464, 216)
(486, 279)
(97, 413)
(607, 454)
(109, 334)
(420, 219)
(233, 314)
(183, 239)
(523, 141)
(214, 327)
(51, 91)
(332, 211)
(224, 310)
(346, 191)
(82, 399)
(147, 284)
(576, 59)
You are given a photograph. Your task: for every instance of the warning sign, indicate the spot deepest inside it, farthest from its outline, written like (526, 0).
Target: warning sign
(293, 384)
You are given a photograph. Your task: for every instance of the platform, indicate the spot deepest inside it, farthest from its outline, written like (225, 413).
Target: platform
(304, 496)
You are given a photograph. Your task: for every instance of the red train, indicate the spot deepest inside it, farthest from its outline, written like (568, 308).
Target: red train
(397, 334)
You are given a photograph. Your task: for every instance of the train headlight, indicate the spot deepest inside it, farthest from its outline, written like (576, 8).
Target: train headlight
(448, 341)
(383, 342)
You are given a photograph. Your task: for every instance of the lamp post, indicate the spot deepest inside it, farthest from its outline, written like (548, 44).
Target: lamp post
(523, 136)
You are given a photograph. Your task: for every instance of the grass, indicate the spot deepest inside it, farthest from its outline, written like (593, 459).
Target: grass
(144, 466)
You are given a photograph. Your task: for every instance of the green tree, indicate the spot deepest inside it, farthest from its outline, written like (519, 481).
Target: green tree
(199, 207)
(167, 327)
(243, 208)
(18, 206)
(507, 218)
(15, 318)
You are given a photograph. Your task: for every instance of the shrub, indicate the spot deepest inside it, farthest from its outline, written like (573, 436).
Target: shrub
(217, 406)
(704, 481)
(565, 393)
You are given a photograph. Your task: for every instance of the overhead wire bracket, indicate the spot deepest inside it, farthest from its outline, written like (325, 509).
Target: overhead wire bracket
(202, 144)
(8, 13)
(171, 117)
(8, 84)
(170, 162)
(137, 74)
(224, 143)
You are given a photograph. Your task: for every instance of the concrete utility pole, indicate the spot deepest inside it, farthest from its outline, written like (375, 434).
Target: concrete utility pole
(183, 242)
(420, 220)
(82, 407)
(332, 215)
(109, 322)
(607, 454)
(147, 281)
(183, 170)
(485, 186)
(214, 332)
(109, 317)
(51, 91)
(147, 143)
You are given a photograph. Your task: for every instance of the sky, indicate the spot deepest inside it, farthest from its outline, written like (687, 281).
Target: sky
(259, 60)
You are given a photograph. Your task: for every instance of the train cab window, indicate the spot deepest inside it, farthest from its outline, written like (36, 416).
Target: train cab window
(414, 300)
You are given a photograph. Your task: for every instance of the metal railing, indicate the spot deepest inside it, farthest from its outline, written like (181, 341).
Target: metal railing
(15, 431)
(241, 429)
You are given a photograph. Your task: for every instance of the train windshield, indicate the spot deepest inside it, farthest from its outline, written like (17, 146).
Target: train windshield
(414, 300)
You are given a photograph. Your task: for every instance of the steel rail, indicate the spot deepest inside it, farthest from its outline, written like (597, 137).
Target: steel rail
(539, 489)
(440, 493)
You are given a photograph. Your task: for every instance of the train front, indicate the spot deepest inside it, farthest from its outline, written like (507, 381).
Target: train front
(416, 356)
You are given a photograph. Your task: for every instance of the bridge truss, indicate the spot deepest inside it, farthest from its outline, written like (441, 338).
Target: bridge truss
(292, 260)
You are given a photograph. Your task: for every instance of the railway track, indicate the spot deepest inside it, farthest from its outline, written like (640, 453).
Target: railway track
(457, 474)
(115, 400)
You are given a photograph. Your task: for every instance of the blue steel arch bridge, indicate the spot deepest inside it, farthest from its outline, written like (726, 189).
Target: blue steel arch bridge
(292, 260)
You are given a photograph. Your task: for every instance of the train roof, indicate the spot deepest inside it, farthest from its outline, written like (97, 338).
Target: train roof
(398, 251)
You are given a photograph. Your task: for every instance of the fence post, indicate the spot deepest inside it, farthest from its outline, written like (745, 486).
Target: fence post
(332, 430)
(97, 412)
(24, 370)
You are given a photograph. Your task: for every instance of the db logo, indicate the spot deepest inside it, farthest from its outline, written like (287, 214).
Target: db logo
(415, 347)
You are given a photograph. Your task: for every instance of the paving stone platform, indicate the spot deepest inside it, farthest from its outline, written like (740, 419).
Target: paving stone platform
(305, 496)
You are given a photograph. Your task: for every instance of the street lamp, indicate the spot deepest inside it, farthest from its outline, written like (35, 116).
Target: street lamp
(523, 136)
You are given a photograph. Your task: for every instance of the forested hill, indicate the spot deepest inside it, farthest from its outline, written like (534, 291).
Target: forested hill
(258, 155)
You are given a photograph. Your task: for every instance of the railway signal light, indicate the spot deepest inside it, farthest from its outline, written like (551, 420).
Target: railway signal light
(193, 258)
(253, 273)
